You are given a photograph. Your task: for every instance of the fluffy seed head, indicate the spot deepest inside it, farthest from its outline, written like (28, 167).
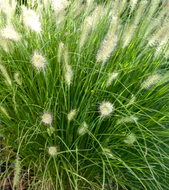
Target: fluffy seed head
(151, 81)
(71, 115)
(106, 108)
(108, 153)
(130, 139)
(50, 130)
(31, 20)
(4, 44)
(52, 151)
(4, 111)
(131, 101)
(38, 61)
(112, 77)
(128, 119)
(10, 33)
(83, 129)
(47, 118)
(17, 78)
(5, 74)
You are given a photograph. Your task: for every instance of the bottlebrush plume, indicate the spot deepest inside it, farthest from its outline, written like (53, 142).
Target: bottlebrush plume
(66, 56)
(151, 81)
(128, 119)
(71, 114)
(107, 47)
(107, 152)
(139, 12)
(127, 36)
(161, 47)
(133, 4)
(17, 78)
(4, 111)
(68, 74)
(87, 26)
(83, 129)
(131, 101)
(153, 6)
(60, 51)
(17, 170)
(5, 74)
(112, 77)
(50, 130)
(59, 5)
(96, 16)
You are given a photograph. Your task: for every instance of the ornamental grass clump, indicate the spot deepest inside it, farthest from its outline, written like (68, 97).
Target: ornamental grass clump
(84, 94)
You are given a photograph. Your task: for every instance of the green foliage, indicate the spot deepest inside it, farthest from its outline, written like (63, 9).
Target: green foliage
(84, 93)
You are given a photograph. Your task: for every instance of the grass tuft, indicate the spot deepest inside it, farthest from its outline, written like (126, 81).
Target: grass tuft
(84, 93)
